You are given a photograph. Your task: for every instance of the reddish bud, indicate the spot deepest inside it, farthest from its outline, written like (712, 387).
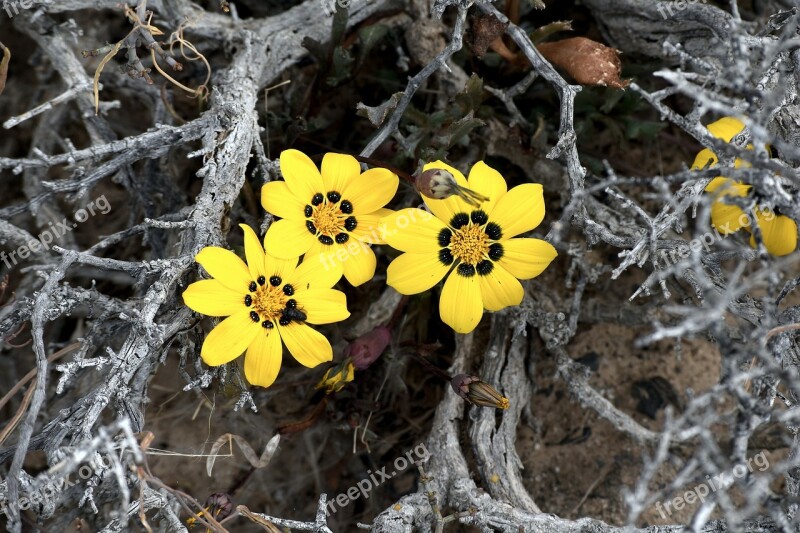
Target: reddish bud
(366, 349)
(219, 505)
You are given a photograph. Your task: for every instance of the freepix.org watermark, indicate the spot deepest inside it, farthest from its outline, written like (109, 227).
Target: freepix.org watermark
(355, 246)
(12, 7)
(377, 478)
(50, 490)
(56, 231)
(707, 239)
(670, 7)
(722, 480)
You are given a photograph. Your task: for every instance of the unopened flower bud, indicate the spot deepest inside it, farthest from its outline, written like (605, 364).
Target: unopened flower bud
(366, 349)
(337, 377)
(438, 183)
(477, 392)
(219, 505)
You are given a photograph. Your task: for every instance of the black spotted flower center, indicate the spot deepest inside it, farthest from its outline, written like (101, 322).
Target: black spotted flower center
(329, 218)
(470, 243)
(271, 301)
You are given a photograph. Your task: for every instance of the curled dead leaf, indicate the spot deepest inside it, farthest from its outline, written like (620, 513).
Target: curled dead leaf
(587, 61)
(486, 29)
(4, 66)
(247, 450)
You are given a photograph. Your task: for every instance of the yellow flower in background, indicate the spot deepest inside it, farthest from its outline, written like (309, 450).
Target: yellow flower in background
(334, 212)
(474, 245)
(778, 232)
(269, 302)
(337, 377)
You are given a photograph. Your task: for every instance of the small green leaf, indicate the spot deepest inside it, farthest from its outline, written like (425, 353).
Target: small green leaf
(341, 68)
(339, 27)
(471, 97)
(458, 130)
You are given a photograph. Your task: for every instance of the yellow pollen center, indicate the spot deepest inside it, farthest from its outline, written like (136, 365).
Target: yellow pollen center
(269, 301)
(469, 244)
(328, 219)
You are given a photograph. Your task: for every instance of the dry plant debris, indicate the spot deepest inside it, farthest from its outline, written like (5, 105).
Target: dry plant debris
(442, 285)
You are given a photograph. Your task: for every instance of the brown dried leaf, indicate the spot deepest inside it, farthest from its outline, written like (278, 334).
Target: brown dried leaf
(587, 61)
(485, 30)
(4, 66)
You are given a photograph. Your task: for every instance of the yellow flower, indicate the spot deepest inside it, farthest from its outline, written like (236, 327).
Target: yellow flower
(334, 213)
(779, 232)
(267, 300)
(337, 377)
(473, 244)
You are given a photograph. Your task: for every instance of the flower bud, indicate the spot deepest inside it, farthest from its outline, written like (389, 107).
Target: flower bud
(438, 183)
(337, 377)
(477, 392)
(366, 349)
(219, 505)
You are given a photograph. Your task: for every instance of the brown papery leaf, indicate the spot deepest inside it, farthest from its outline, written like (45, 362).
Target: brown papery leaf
(587, 61)
(486, 29)
(4, 66)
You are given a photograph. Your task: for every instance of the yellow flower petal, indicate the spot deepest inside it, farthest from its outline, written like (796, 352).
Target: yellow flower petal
(526, 258)
(412, 230)
(460, 304)
(519, 210)
(263, 359)
(727, 187)
(317, 271)
(338, 170)
(727, 218)
(447, 208)
(225, 266)
(725, 128)
(283, 268)
(359, 268)
(323, 306)
(212, 298)
(253, 251)
(705, 159)
(371, 190)
(278, 199)
(229, 339)
(307, 345)
(288, 238)
(500, 289)
(778, 231)
(487, 181)
(413, 273)
(301, 175)
(368, 229)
